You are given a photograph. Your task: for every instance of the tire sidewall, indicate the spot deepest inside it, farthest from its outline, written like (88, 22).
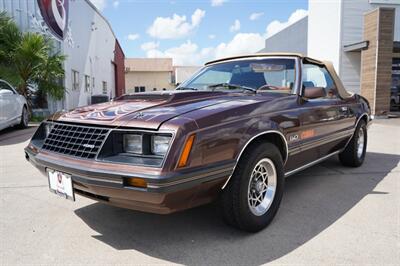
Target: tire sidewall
(24, 123)
(361, 126)
(261, 152)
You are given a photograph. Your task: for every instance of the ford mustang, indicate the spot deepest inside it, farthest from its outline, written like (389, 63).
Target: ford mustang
(231, 133)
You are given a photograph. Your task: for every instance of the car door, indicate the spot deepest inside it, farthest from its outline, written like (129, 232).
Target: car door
(8, 104)
(322, 127)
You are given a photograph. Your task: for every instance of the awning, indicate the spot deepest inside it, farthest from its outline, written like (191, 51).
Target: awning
(356, 47)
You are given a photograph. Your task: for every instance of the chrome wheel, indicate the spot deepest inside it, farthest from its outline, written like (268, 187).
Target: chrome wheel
(360, 143)
(262, 187)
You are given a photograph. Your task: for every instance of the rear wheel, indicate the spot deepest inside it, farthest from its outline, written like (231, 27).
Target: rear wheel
(24, 118)
(354, 154)
(253, 195)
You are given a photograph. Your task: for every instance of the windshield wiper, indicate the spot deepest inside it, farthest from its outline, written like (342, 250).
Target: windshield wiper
(230, 86)
(187, 88)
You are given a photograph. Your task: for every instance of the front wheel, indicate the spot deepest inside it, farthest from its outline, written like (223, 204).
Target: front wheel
(253, 195)
(354, 154)
(24, 118)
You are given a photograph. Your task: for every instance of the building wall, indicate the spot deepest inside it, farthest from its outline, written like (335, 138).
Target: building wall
(290, 39)
(377, 59)
(119, 65)
(353, 12)
(324, 21)
(91, 54)
(150, 80)
(183, 73)
(89, 47)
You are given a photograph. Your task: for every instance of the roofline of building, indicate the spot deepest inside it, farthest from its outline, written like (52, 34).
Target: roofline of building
(101, 15)
(288, 26)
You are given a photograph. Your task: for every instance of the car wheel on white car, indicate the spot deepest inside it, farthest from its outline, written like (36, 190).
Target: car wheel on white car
(24, 118)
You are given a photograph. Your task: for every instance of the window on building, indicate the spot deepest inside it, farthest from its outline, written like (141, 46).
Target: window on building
(140, 89)
(154, 89)
(318, 76)
(93, 84)
(105, 91)
(75, 80)
(164, 89)
(87, 83)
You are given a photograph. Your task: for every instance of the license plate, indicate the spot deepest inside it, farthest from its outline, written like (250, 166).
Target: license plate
(61, 184)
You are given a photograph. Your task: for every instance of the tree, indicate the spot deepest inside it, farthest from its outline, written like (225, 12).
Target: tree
(27, 61)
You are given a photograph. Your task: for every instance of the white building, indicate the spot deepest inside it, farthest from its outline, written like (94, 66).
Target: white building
(93, 65)
(183, 73)
(342, 31)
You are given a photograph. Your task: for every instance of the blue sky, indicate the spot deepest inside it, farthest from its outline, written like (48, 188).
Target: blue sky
(194, 31)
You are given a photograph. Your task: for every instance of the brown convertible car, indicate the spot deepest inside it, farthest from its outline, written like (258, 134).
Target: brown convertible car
(231, 133)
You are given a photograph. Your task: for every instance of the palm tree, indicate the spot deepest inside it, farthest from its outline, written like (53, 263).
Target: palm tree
(27, 61)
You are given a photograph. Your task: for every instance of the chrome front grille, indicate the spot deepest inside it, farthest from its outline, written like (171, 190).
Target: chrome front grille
(73, 140)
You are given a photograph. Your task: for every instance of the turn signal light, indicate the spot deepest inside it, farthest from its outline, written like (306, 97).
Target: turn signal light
(186, 151)
(136, 182)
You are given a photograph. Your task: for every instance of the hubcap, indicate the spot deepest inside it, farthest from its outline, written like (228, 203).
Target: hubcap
(360, 143)
(262, 187)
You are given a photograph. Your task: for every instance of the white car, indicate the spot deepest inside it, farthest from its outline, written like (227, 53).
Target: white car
(13, 107)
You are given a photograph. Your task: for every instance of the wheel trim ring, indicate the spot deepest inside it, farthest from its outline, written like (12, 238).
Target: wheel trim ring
(360, 143)
(265, 199)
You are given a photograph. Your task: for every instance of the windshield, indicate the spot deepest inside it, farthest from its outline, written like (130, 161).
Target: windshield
(273, 75)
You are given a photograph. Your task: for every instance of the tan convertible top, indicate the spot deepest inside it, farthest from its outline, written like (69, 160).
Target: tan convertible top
(329, 66)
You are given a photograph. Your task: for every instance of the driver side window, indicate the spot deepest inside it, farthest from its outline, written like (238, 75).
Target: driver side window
(4, 88)
(315, 76)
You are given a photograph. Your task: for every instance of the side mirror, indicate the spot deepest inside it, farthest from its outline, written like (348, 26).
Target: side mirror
(314, 92)
(6, 92)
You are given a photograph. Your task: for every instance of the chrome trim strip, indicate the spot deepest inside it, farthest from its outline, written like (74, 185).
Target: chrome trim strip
(185, 180)
(249, 141)
(311, 164)
(322, 141)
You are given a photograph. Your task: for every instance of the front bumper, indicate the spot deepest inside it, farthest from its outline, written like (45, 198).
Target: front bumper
(165, 193)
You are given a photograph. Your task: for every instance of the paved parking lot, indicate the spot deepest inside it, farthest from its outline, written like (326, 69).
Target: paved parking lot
(329, 215)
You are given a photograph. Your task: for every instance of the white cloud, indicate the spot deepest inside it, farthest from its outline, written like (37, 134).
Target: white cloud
(99, 4)
(147, 46)
(133, 36)
(218, 2)
(116, 4)
(235, 26)
(276, 26)
(242, 43)
(255, 16)
(176, 26)
(189, 53)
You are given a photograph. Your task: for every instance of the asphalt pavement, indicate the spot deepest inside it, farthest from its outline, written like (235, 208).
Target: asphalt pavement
(330, 214)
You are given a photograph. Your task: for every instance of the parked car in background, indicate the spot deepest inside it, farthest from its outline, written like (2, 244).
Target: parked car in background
(13, 107)
(232, 133)
(395, 98)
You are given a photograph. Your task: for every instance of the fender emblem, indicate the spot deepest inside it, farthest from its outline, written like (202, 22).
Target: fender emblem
(89, 146)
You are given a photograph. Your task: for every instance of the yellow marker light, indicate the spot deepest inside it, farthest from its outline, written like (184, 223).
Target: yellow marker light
(186, 151)
(136, 182)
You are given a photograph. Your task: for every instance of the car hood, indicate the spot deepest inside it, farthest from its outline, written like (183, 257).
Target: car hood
(147, 110)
